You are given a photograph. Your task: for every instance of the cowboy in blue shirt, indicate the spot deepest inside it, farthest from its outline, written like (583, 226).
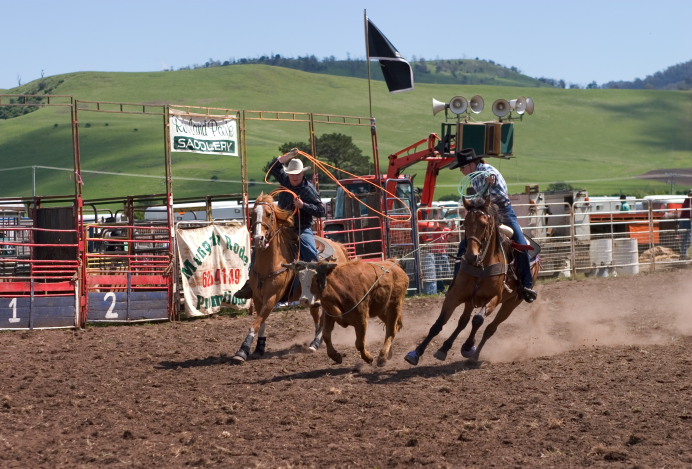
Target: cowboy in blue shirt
(306, 200)
(496, 187)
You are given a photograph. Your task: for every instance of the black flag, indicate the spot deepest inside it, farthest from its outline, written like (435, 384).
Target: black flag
(396, 70)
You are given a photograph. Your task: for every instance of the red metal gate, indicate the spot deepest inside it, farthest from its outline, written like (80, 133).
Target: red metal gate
(128, 263)
(39, 266)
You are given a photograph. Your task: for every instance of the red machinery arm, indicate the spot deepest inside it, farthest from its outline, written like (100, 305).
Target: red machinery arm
(403, 159)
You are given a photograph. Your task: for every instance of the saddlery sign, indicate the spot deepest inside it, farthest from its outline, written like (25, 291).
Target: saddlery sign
(203, 134)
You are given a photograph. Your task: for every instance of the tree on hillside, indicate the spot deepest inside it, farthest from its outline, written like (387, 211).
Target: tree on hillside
(449, 198)
(676, 77)
(335, 149)
(560, 186)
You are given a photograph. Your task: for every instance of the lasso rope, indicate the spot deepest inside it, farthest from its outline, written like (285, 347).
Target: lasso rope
(279, 191)
(473, 181)
(324, 167)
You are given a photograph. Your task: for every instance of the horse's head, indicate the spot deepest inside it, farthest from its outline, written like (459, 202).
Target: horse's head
(263, 221)
(479, 225)
(267, 220)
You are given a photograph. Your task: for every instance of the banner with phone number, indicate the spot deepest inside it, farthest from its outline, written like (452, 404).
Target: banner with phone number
(214, 263)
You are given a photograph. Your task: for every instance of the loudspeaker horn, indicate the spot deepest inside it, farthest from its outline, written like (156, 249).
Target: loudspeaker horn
(501, 107)
(476, 104)
(529, 106)
(458, 105)
(518, 105)
(438, 106)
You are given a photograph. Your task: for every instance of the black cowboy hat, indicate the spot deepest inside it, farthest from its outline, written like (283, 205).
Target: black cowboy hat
(464, 157)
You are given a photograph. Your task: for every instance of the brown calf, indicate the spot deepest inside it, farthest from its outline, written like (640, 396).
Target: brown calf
(353, 292)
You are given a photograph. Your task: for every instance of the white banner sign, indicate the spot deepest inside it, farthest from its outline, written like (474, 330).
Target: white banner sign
(203, 134)
(214, 262)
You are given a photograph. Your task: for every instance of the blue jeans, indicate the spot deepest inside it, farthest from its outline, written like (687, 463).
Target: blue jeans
(308, 252)
(308, 248)
(509, 218)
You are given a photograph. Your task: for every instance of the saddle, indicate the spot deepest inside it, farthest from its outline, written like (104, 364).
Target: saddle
(533, 249)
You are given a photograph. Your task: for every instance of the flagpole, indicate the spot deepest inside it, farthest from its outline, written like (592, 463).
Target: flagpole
(373, 126)
(367, 58)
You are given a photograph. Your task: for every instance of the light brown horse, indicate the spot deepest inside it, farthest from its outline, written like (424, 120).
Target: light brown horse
(485, 280)
(275, 243)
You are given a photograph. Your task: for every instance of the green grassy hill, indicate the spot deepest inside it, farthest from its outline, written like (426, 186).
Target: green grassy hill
(599, 140)
(439, 71)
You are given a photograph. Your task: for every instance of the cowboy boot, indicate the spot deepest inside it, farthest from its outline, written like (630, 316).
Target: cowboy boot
(529, 295)
(245, 292)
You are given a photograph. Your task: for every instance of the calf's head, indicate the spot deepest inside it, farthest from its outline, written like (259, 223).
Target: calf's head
(312, 277)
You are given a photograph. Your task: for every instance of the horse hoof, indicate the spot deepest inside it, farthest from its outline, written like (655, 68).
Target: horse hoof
(440, 355)
(412, 357)
(238, 360)
(468, 353)
(240, 357)
(338, 359)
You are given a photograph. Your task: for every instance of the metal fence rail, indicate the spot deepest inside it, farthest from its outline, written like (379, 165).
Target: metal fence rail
(575, 240)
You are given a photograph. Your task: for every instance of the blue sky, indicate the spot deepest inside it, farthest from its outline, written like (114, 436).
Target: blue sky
(576, 41)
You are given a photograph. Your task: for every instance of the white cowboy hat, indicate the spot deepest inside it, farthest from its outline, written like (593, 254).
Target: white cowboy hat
(295, 166)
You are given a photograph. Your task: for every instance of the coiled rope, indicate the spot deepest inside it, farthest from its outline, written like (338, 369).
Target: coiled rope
(478, 180)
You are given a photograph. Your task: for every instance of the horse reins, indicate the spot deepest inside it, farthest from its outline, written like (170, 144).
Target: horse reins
(267, 226)
(270, 235)
(477, 270)
(486, 235)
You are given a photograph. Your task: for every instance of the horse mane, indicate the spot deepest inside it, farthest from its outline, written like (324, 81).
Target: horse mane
(479, 203)
(493, 211)
(282, 216)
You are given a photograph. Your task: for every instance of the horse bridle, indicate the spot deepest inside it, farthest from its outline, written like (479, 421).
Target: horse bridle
(486, 236)
(259, 222)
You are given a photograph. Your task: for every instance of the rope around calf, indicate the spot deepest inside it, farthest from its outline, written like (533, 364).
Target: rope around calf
(385, 271)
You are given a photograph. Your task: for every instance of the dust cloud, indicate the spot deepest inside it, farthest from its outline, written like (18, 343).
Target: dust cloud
(645, 309)
(615, 312)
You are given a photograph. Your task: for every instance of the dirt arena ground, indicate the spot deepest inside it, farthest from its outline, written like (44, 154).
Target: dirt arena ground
(596, 373)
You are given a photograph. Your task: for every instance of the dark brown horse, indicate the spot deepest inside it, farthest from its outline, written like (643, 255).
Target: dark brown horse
(275, 242)
(485, 280)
